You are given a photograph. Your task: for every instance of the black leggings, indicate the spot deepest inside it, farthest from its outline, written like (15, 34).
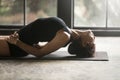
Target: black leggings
(16, 51)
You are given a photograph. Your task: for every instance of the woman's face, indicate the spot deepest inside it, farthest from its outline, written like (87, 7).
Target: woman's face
(87, 38)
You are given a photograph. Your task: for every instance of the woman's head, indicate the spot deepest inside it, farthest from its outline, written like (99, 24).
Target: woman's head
(86, 38)
(84, 46)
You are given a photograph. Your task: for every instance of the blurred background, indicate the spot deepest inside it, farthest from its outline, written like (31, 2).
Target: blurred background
(87, 13)
(12, 11)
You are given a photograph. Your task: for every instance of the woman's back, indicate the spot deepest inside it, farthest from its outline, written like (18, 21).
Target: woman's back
(42, 29)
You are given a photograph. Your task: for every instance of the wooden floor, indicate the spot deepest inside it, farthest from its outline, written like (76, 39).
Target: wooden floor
(67, 70)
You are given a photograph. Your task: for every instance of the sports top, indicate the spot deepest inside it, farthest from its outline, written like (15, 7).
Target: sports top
(41, 30)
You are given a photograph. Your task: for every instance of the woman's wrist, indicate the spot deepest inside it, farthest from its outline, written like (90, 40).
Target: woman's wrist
(17, 42)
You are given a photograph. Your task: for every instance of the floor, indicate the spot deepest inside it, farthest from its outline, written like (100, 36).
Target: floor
(67, 70)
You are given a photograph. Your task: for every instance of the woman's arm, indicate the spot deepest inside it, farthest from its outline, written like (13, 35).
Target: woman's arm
(58, 41)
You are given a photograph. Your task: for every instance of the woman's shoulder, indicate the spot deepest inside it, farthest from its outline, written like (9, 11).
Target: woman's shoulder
(50, 18)
(53, 18)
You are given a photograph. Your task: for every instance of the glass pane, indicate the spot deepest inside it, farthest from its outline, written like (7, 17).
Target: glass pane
(40, 9)
(11, 12)
(114, 13)
(90, 13)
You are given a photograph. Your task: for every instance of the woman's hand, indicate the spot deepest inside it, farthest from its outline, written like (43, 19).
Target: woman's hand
(13, 38)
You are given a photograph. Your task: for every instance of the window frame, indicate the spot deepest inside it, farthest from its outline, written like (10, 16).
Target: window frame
(99, 31)
(9, 29)
(65, 10)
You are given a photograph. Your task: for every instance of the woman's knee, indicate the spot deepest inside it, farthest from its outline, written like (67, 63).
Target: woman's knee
(4, 48)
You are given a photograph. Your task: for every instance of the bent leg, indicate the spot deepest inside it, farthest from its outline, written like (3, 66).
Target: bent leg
(4, 48)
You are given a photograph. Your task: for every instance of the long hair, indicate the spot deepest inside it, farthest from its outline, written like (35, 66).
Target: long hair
(76, 48)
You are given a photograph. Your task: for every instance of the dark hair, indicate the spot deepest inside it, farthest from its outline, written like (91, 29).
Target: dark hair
(77, 49)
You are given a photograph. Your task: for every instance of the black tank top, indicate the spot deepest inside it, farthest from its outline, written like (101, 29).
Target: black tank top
(43, 29)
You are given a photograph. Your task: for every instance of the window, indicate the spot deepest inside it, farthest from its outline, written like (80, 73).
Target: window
(40, 9)
(89, 13)
(11, 12)
(97, 13)
(114, 13)
(20, 12)
(100, 15)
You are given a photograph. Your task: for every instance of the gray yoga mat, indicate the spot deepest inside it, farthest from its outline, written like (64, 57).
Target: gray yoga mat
(63, 55)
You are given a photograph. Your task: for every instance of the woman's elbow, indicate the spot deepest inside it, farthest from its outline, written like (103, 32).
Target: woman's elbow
(66, 37)
(39, 54)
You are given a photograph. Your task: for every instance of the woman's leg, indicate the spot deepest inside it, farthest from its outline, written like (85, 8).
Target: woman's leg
(4, 48)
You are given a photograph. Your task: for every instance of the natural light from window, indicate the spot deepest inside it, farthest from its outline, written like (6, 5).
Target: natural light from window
(97, 13)
(89, 13)
(40, 9)
(11, 12)
(114, 13)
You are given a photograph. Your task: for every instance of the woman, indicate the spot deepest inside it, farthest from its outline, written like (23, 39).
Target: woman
(51, 30)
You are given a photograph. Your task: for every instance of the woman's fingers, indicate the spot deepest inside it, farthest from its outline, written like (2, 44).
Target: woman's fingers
(13, 38)
(14, 35)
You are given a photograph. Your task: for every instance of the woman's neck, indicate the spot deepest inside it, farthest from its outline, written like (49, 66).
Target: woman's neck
(75, 35)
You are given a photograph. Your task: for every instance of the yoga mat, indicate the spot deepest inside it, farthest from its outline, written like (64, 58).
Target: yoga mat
(63, 55)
